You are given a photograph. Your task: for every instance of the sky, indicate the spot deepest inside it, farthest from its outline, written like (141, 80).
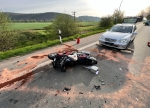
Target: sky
(97, 8)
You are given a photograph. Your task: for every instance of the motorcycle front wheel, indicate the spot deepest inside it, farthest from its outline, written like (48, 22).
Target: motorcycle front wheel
(63, 69)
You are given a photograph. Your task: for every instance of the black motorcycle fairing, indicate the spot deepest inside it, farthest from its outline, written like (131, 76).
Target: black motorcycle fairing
(64, 60)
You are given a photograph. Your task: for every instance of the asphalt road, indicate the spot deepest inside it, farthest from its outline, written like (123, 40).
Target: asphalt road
(123, 79)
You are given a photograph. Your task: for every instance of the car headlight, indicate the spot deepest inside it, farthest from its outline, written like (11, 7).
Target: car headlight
(123, 41)
(102, 38)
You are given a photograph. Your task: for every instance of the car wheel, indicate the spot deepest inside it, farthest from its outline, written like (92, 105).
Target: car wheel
(128, 45)
(146, 24)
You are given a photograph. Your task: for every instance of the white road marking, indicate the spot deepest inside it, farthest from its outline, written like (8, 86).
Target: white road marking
(88, 45)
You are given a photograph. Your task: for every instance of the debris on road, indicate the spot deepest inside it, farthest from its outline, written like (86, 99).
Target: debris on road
(80, 93)
(102, 83)
(97, 87)
(99, 44)
(101, 80)
(130, 49)
(148, 44)
(115, 50)
(66, 89)
(16, 62)
(120, 69)
(126, 51)
(93, 69)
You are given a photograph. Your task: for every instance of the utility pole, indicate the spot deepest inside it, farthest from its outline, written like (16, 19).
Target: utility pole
(119, 9)
(120, 5)
(74, 14)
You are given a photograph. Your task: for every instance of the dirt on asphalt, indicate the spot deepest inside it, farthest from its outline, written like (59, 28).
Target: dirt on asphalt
(135, 92)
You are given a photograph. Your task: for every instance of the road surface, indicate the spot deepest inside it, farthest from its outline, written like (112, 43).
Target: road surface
(123, 79)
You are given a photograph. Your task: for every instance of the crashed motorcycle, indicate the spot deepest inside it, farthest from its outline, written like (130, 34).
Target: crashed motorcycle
(70, 59)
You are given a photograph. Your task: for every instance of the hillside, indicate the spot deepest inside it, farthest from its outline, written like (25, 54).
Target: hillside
(45, 16)
(33, 16)
(88, 18)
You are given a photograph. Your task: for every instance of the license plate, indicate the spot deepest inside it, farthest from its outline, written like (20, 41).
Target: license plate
(109, 43)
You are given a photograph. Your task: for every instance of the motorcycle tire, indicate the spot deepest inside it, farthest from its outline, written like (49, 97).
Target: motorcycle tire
(63, 69)
(72, 64)
(54, 66)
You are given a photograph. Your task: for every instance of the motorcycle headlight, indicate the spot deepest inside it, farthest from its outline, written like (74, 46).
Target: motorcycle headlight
(123, 41)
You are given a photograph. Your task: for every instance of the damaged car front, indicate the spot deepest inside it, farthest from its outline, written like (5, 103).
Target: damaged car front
(120, 35)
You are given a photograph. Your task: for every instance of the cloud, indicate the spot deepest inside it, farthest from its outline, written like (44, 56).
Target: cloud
(82, 7)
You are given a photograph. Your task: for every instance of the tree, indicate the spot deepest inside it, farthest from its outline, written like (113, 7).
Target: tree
(4, 21)
(106, 21)
(118, 16)
(65, 23)
(142, 13)
(148, 13)
(148, 17)
(6, 36)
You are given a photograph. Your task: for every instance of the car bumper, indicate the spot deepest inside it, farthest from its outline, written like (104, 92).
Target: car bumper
(113, 45)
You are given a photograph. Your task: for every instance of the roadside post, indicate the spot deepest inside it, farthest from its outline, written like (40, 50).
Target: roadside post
(59, 33)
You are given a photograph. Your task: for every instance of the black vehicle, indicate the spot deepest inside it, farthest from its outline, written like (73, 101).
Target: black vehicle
(147, 22)
(70, 59)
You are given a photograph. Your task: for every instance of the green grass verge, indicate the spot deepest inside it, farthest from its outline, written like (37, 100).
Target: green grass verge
(29, 49)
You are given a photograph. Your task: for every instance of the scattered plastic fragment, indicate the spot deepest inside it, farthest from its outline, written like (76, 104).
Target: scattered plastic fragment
(97, 87)
(93, 69)
(66, 89)
(120, 69)
(101, 80)
(102, 83)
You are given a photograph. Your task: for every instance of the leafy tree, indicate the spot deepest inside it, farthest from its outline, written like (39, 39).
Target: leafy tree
(4, 21)
(118, 16)
(63, 22)
(106, 21)
(148, 12)
(148, 17)
(7, 39)
(142, 13)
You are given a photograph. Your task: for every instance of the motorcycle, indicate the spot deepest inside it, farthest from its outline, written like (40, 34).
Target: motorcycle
(70, 59)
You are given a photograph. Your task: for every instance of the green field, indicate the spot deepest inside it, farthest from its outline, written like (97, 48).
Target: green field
(27, 26)
(84, 24)
(40, 25)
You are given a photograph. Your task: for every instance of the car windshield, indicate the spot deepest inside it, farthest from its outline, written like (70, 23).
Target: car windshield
(122, 29)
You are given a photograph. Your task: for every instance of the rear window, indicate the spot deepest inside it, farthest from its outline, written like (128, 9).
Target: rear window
(131, 20)
(122, 29)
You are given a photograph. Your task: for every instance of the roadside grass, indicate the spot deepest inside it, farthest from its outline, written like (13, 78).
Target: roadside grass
(86, 29)
(41, 32)
(29, 49)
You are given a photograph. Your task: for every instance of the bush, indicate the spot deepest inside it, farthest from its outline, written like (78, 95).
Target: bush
(106, 21)
(65, 23)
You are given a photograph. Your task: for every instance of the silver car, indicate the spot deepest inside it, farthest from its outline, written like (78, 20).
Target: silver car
(119, 36)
